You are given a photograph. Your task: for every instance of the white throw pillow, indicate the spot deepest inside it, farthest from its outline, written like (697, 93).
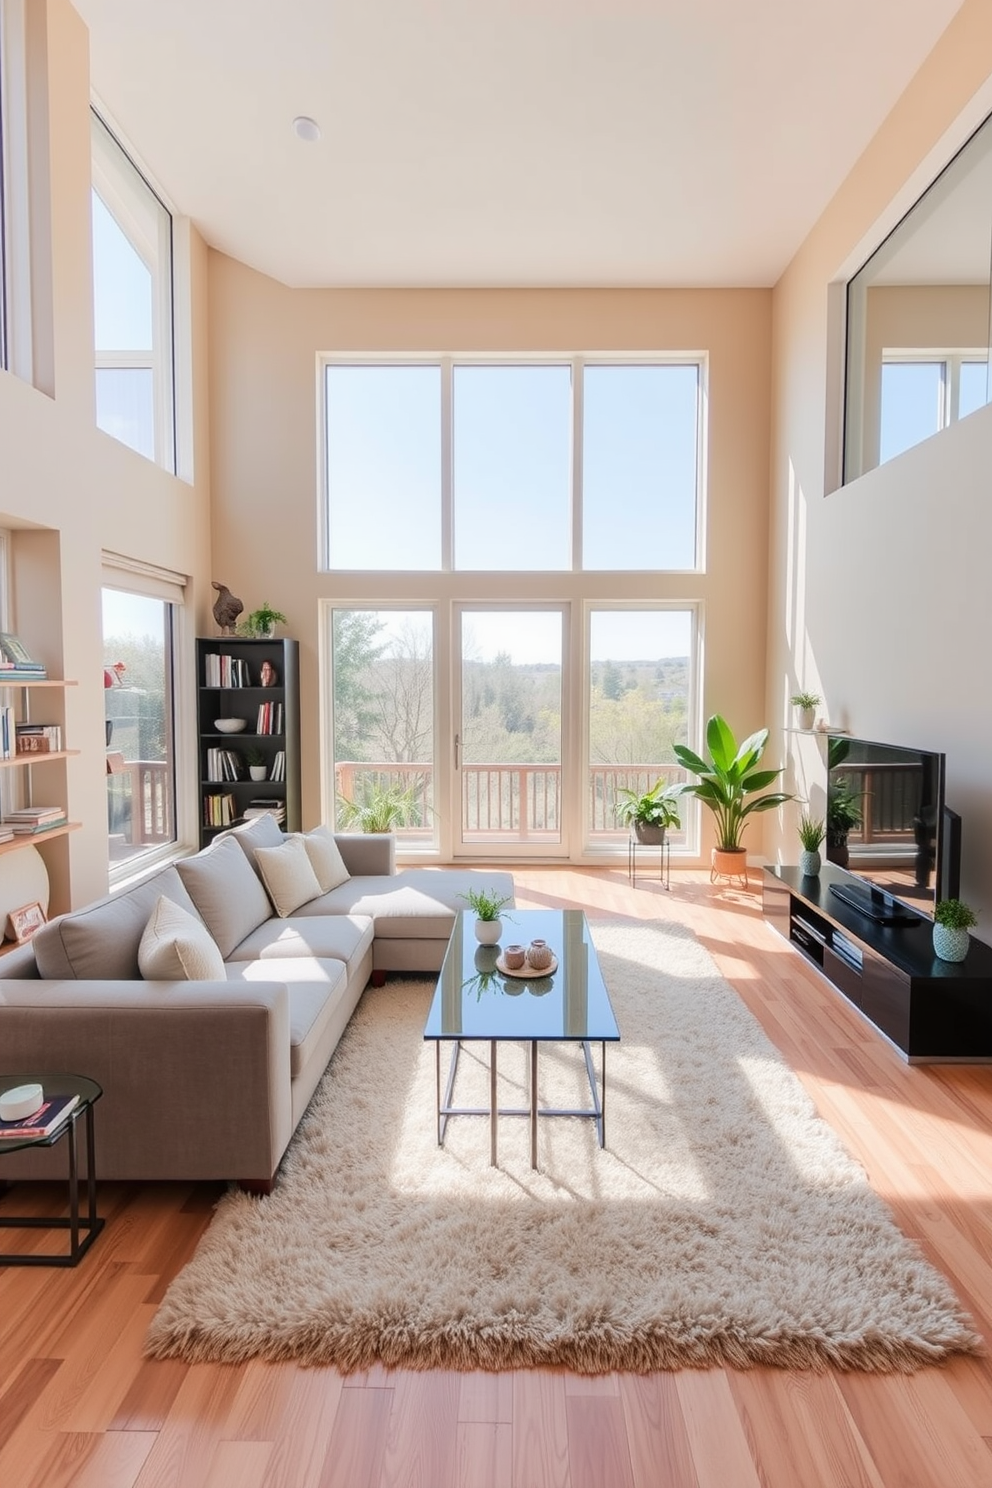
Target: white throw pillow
(287, 874)
(325, 859)
(177, 947)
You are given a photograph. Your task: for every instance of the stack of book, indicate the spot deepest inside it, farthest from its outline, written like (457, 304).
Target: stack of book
(40, 1123)
(36, 738)
(266, 806)
(269, 718)
(219, 810)
(16, 663)
(28, 820)
(225, 671)
(225, 764)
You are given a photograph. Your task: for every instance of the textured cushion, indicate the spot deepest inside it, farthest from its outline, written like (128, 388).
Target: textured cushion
(325, 859)
(178, 947)
(100, 942)
(227, 893)
(260, 831)
(287, 875)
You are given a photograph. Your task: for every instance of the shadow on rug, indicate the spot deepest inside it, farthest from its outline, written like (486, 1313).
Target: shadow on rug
(724, 1223)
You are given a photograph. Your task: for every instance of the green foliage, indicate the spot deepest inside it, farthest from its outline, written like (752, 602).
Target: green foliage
(260, 622)
(254, 755)
(728, 779)
(806, 700)
(378, 808)
(954, 915)
(655, 808)
(486, 903)
(843, 810)
(812, 830)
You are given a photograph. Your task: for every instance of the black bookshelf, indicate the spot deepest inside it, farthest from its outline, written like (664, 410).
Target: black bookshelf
(215, 700)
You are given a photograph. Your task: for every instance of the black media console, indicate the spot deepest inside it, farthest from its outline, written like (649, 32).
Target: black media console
(930, 1009)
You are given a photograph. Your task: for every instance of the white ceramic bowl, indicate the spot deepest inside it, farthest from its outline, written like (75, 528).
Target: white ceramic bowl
(230, 725)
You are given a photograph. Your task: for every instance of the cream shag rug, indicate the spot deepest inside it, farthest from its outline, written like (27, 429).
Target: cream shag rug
(724, 1222)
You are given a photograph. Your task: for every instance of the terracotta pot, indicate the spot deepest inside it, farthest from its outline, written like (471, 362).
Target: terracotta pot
(729, 862)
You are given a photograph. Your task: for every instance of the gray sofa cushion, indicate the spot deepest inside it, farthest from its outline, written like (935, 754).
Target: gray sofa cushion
(261, 831)
(100, 942)
(415, 904)
(226, 891)
(316, 991)
(340, 937)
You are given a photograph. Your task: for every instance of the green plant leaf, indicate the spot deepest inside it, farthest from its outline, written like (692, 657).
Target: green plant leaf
(721, 743)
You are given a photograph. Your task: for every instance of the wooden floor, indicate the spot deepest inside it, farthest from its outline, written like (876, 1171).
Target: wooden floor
(79, 1405)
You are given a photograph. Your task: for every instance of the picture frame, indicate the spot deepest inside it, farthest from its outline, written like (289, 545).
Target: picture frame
(25, 921)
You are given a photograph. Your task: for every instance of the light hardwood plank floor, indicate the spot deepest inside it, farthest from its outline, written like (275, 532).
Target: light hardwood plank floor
(79, 1406)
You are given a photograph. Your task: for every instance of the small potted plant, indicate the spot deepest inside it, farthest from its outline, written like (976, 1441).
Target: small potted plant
(256, 761)
(379, 808)
(843, 815)
(488, 906)
(649, 815)
(261, 624)
(951, 921)
(807, 704)
(812, 830)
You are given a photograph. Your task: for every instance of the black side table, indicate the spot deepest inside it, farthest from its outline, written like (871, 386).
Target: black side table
(664, 850)
(89, 1092)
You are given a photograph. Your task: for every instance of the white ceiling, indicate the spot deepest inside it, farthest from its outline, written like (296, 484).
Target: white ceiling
(519, 142)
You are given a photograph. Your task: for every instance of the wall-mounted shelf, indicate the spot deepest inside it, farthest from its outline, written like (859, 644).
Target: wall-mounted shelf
(35, 839)
(30, 757)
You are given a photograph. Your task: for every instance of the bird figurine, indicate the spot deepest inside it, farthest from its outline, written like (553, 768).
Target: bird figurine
(227, 608)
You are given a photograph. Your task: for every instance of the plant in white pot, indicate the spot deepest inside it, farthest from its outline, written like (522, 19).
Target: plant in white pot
(951, 922)
(256, 762)
(806, 704)
(649, 815)
(488, 906)
(812, 830)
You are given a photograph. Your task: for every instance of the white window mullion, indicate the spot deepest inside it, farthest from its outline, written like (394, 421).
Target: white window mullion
(577, 386)
(447, 468)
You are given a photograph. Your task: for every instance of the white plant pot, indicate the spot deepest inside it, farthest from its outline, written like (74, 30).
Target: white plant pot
(487, 932)
(950, 944)
(810, 864)
(807, 717)
(258, 772)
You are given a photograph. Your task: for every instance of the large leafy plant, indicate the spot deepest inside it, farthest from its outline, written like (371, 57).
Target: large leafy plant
(729, 784)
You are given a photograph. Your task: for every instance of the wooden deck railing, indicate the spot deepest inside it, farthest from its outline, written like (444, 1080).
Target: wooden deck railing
(522, 801)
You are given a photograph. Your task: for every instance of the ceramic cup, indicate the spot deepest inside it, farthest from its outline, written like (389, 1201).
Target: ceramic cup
(514, 957)
(539, 954)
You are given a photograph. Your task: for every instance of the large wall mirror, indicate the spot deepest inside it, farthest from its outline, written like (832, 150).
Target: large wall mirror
(918, 317)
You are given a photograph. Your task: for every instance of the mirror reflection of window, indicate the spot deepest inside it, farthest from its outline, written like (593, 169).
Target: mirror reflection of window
(918, 323)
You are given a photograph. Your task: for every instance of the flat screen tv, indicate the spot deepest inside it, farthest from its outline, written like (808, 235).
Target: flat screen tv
(902, 847)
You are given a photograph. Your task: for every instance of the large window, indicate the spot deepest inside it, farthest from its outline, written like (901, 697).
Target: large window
(132, 292)
(513, 466)
(138, 648)
(924, 393)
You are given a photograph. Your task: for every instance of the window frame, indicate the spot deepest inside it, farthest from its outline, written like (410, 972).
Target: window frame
(117, 179)
(577, 362)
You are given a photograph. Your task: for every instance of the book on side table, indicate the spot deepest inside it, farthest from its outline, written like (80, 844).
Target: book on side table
(40, 1123)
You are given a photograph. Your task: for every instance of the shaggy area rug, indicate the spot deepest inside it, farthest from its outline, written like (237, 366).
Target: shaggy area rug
(724, 1222)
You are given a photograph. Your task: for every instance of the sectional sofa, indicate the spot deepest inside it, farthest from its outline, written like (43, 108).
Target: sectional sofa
(207, 999)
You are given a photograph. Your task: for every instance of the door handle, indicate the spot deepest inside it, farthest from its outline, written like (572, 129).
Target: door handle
(458, 745)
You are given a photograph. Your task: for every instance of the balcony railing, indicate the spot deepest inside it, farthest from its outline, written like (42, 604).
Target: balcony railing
(522, 801)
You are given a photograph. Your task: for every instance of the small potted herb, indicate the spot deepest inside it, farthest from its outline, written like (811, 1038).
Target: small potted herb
(256, 761)
(807, 704)
(812, 830)
(951, 921)
(488, 906)
(650, 814)
(261, 624)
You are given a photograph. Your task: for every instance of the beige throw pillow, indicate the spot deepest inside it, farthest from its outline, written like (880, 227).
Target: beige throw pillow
(177, 947)
(325, 859)
(287, 875)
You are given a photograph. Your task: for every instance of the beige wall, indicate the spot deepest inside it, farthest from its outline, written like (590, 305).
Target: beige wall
(265, 340)
(69, 490)
(879, 592)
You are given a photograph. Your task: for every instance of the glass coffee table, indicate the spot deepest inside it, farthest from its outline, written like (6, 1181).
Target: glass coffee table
(474, 1002)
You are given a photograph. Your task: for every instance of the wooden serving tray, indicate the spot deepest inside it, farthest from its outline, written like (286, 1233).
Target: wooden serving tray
(525, 970)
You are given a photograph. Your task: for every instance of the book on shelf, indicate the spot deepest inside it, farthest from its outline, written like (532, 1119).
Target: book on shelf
(269, 718)
(219, 809)
(224, 764)
(33, 813)
(44, 1121)
(36, 829)
(221, 670)
(265, 806)
(278, 771)
(36, 738)
(14, 655)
